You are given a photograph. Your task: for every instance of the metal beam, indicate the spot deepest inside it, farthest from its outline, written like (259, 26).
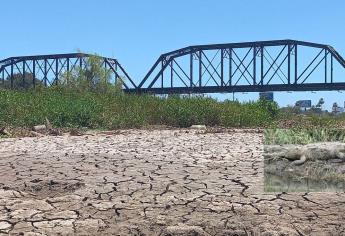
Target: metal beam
(242, 88)
(50, 68)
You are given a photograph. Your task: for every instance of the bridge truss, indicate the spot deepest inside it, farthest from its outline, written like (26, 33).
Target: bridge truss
(49, 70)
(281, 65)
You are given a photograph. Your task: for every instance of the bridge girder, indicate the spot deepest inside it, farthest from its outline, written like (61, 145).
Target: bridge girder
(50, 69)
(278, 65)
(252, 70)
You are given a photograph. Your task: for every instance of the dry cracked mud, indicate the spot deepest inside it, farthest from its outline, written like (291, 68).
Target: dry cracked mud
(158, 182)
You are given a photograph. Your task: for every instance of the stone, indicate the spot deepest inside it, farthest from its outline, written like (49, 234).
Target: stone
(198, 127)
(4, 225)
(182, 229)
(39, 128)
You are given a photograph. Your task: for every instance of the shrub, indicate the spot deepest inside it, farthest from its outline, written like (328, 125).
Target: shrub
(65, 108)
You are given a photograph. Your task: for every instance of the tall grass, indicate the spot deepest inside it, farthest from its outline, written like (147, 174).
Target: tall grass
(87, 97)
(304, 136)
(66, 108)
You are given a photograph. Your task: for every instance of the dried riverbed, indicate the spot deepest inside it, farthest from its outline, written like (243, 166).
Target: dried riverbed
(158, 182)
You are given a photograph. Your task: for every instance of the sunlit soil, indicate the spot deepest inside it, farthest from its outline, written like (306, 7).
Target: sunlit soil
(158, 182)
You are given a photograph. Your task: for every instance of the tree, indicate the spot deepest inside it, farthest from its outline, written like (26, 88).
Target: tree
(20, 82)
(91, 77)
(320, 103)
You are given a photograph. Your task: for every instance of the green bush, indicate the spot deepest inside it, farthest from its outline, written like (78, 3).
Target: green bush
(66, 108)
(87, 98)
(92, 77)
(20, 82)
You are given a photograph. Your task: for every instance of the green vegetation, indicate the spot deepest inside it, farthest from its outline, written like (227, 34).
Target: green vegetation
(303, 135)
(91, 78)
(20, 83)
(292, 118)
(88, 98)
(112, 110)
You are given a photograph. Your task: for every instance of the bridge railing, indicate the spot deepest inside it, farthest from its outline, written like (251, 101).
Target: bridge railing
(280, 65)
(49, 70)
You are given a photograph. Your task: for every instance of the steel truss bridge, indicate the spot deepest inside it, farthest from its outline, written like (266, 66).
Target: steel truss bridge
(279, 65)
(49, 70)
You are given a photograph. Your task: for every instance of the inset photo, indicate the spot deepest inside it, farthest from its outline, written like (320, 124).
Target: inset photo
(304, 160)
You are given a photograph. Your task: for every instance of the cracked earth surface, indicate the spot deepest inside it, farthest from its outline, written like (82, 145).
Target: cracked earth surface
(158, 182)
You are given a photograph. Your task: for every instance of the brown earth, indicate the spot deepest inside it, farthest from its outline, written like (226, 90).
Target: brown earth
(158, 182)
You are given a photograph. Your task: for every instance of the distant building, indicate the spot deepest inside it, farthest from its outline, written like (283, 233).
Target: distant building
(266, 95)
(303, 104)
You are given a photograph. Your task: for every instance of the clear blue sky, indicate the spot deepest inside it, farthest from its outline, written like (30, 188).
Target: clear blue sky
(137, 32)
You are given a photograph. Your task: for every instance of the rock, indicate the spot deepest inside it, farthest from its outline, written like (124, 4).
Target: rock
(183, 229)
(6, 193)
(4, 225)
(39, 128)
(103, 206)
(203, 127)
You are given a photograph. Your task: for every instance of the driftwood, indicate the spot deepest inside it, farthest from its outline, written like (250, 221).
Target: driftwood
(48, 124)
(47, 128)
(3, 131)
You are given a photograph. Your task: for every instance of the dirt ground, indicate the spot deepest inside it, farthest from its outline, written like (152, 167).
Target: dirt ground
(158, 182)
